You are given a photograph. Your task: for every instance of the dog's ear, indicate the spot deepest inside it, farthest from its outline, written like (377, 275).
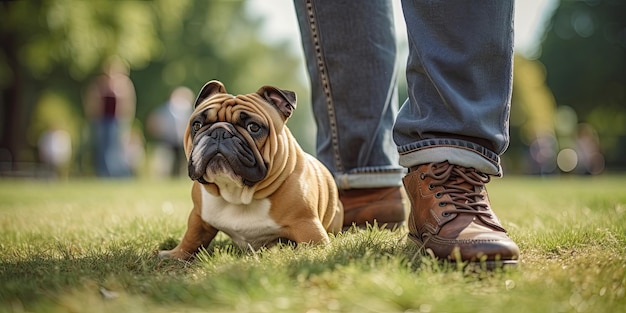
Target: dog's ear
(210, 89)
(283, 100)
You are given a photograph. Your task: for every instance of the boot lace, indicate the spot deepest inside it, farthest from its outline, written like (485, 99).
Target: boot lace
(460, 184)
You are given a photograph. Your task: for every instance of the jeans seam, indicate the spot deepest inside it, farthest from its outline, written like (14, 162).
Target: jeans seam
(314, 28)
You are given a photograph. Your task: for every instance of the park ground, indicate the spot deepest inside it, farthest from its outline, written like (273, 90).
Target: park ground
(87, 245)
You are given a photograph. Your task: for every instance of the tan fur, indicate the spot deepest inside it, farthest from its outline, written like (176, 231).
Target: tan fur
(302, 192)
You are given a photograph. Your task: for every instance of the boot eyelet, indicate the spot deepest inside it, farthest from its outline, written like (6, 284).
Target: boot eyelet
(445, 214)
(422, 176)
(438, 195)
(431, 187)
(442, 204)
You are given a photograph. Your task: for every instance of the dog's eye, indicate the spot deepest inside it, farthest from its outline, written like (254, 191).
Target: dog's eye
(196, 126)
(253, 127)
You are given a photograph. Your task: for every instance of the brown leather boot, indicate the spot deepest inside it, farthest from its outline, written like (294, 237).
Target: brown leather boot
(383, 205)
(451, 215)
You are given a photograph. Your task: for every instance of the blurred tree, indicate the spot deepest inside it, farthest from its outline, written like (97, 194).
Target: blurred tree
(584, 52)
(532, 119)
(219, 40)
(58, 46)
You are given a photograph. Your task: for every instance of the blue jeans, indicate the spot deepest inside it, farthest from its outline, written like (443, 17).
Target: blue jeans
(459, 76)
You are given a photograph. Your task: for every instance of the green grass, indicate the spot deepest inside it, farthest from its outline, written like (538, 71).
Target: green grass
(87, 246)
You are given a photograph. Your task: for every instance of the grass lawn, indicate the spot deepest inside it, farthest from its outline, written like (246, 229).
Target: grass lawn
(87, 246)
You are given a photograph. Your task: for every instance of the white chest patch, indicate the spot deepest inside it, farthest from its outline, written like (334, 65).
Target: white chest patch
(247, 224)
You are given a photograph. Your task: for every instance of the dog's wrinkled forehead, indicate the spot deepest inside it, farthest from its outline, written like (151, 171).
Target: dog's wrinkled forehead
(229, 108)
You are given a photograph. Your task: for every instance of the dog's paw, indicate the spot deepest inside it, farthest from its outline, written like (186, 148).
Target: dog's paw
(164, 254)
(174, 254)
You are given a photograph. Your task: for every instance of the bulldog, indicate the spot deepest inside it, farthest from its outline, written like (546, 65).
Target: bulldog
(251, 179)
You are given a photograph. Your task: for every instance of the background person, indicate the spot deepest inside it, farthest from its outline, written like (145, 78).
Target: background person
(167, 125)
(110, 110)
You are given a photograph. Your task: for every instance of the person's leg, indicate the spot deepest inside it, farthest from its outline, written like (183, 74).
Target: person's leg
(350, 51)
(100, 143)
(454, 125)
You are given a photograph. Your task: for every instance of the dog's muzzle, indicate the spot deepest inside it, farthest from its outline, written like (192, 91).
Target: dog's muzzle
(221, 149)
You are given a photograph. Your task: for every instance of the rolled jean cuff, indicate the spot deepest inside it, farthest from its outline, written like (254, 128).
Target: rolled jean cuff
(455, 151)
(370, 177)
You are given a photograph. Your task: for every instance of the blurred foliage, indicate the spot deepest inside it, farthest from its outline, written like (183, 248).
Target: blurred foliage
(51, 112)
(534, 106)
(52, 49)
(219, 40)
(58, 46)
(533, 110)
(82, 34)
(584, 52)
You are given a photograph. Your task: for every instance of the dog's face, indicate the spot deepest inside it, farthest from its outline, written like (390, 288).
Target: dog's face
(230, 140)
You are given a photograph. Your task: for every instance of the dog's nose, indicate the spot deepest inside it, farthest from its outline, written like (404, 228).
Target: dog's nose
(221, 132)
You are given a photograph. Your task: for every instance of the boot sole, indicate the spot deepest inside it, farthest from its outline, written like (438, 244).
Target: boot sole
(474, 266)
